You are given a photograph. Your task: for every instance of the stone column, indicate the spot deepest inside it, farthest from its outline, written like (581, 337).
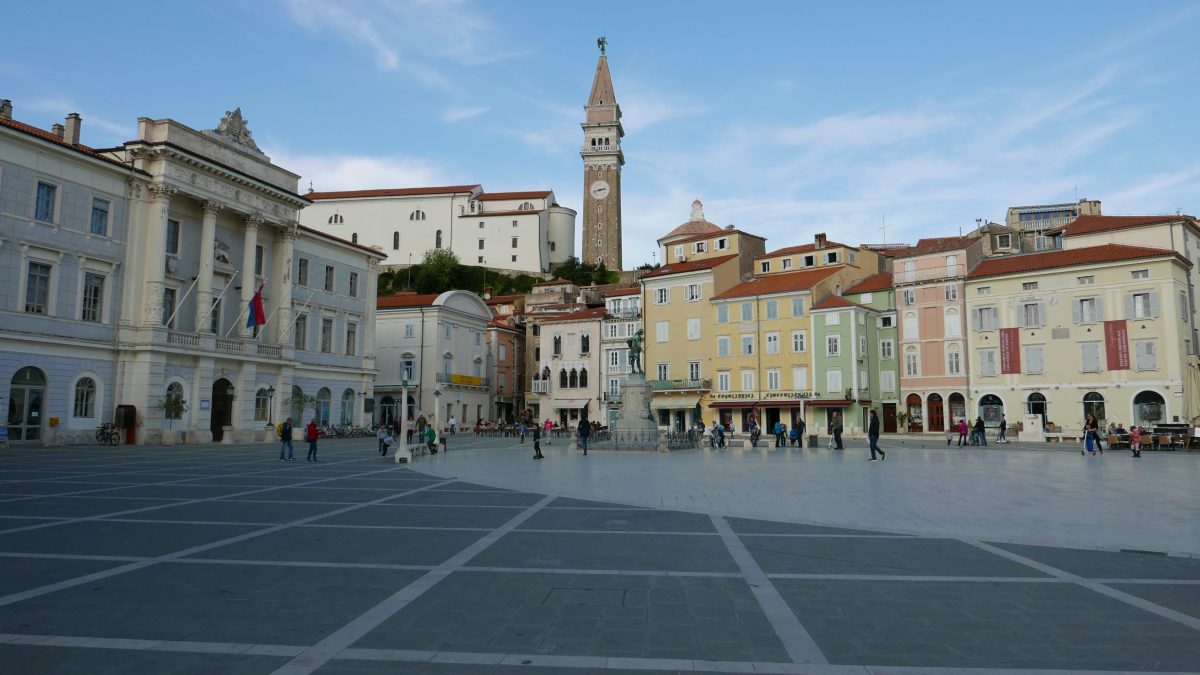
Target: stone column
(249, 282)
(208, 239)
(369, 305)
(156, 253)
(284, 256)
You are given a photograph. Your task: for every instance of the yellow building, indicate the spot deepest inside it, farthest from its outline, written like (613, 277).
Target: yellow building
(820, 253)
(1101, 329)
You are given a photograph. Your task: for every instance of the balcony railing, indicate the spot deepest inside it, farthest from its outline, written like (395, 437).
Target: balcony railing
(929, 274)
(230, 346)
(462, 380)
(183, 339)
(625, 314)
(672, 385)
(540, 387)
(610, 397)
(270, 351)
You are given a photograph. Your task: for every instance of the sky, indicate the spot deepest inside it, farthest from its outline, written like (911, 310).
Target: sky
(785, 118)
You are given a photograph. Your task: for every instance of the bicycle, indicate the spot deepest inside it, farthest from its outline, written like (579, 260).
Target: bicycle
(108, 434)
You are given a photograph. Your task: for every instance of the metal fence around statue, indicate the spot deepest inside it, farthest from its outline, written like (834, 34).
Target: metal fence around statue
(683, 440)
(623, 440)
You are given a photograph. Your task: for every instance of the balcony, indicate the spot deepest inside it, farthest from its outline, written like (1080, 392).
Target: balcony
(270, 351)
(625, 314)
(230, 346)
(610, 397)
(188, 340)
(462, 380)
(930, 274)
(680, 385)
(540, 387)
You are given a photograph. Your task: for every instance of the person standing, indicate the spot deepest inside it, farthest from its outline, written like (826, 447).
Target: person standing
(285, 441)
(311, 434)
(980, 435)
(873, 438)
(1089, 435)
(1135, 440)
(962, 432)
(453, 424)
(382, 435)
(779, 434)
(835, 428)
(1003, 428)
(537, 443)
(409, 425)
(585, 431)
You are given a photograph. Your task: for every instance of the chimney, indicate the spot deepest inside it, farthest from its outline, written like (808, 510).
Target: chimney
(6, 109)
(820, 239)
(57, 130)
(73, 123)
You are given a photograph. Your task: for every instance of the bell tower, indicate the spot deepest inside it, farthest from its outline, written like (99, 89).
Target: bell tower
(602, 162)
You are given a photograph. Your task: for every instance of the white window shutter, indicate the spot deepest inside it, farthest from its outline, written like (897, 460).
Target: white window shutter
(976, 320)
(1099, 310)
(1077, 311)
(1129, 307)
(1154, 304)
(1041, 314)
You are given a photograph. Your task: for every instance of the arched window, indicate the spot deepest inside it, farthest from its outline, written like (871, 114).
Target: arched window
(583, 378)
(173, 399)
(546, 373)
(910, 325)
(953, 324)
(437, 240)
(1036, 404)
(912, 362)
(347, 407)
(336, 219)
(324, 398)
(574, 379)
(353, 237)
(417, 215)
(395, 241)
(1093, 403)
(556, 342)
(297, 404)
(85, 397)
(261, 405)
(525, 206)
(562, 378)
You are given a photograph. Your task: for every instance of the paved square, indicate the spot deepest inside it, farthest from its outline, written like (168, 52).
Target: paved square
(202, 559)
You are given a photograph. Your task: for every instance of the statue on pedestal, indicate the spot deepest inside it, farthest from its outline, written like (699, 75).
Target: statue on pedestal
(635, 353)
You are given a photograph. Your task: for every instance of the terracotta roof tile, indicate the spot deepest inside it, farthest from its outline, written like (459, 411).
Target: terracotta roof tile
(1066, 258)
(1090, 224)
(632, 290)
(347, 242)
(837, 302)
(710, 235)
(803, 248)
(689, 266)
(495, 196)
(407, 300)
(778, 283)
(935, 245)
(31, 130)
(501, 299)
(693, 227)
(583, 314)
(875, 282)
(393, 192)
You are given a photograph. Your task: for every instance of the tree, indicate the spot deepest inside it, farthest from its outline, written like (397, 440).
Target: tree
(438, 271)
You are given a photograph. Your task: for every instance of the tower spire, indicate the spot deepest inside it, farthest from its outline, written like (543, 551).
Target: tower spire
(602, 87)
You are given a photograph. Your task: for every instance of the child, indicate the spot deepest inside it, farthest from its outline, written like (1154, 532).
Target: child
(1135, 440)
(537, 443)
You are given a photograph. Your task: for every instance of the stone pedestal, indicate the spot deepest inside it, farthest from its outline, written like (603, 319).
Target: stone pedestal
(635, 413)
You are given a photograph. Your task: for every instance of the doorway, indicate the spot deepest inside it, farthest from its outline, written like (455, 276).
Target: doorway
(913, 403)
(222, 408)
(889, 418)
(937, 414)
(26, 400)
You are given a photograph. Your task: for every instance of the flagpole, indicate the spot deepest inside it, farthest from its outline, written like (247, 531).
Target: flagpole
(179, 303)
(242, 313)
(307, 304)
(209, 309)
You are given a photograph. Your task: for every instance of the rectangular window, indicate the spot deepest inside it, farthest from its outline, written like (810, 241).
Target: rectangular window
(747, 345)
(329, 278)
(862, 345)
(723, 345)
(952, 324)
(723, 380)
(983, 318)
(833, 318)
(831, 258)
(747, 311)
(910, 296)
(887, 349)
(514, 258)
(480, 244)
(700, 247)
(953, 363)
(787, 263)
(1003, 241)
(407, 368)
(1033, 359)
(772, 309)
(987, 362)
(1089, 357)
(867, 298)
(693, 329)
(614, 358)
(692, 292)
(168, 315)
(797, 307)
(722, 244)
(93, 297)
(951, 292)
(799, 341)
(864, 379)
(809, 261)
(693, 370)
(662, 371)
(302, 272)
(99, 224)
(722, 313)
(1087, 310)
(44, 209)
(773, 379)
(351, 338)
(354, 284)
(912, 367)
(1032, 315)
(772, 343)
(214, 317)
(301, 337)
(800, 378)
(887, 321)
(747, 380)
(1086, 281)
(662, 296)
(983, 290)
(258, 260)
(661, 331)
(173, 237)
(481, 226)
(327, 335)
(449, 331)
(833, 381)
(678, 252)
(765, 266)
(1029, 286)
(1142, 305)
(1140, 274)
(37, 288)
(514, 242)
(1145, 356)
(833, 345)
(408, 330)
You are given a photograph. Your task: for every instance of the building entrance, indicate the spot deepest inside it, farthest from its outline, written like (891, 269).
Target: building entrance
(221, 414)
(26, 401)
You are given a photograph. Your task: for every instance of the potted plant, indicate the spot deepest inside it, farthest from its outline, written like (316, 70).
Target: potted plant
(173, 408)
(902, 421)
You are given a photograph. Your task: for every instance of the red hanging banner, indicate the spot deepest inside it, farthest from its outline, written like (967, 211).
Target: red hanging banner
(1116, 344)
(1010, 351)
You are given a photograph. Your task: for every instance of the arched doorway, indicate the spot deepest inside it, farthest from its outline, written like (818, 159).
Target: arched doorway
(915, 419)
(346, 418)
(958, 407)
(1149, 409)
(387, 410)
(221, 414)
(26, 400)
(991, 409)
(324, 397)
(937, 413)
(1036, 405)
(1093, 403)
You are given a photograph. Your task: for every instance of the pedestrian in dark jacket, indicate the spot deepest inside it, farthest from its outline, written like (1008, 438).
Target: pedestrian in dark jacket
(980, 435)
(835, 429)
(285, 441)
(311, 435)
(779, 431)
(537, 443)
(873, 437)
(585, 432)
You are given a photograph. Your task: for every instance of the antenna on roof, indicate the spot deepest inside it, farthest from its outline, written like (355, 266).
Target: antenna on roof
(1076, 193)
(884, 228)
(310, 186)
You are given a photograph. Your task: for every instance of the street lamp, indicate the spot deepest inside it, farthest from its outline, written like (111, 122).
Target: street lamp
(270, 406)
(404, 404)
(437, 410)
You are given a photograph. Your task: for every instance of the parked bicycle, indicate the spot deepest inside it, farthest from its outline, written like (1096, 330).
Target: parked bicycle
(107, 433)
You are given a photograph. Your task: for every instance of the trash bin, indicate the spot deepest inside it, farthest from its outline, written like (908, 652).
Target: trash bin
(812, 441)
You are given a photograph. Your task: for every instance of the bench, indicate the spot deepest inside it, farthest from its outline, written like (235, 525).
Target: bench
(405, 453)
(1064, 436)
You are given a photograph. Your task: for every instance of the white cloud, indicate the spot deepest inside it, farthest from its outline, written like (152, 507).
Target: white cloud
(357, 172)
(857, 130)
(108, 131)
(640, 110)
(452, 115)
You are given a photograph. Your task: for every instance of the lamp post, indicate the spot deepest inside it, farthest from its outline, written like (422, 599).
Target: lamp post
(437, 410)
(404, 404)
(270, 406)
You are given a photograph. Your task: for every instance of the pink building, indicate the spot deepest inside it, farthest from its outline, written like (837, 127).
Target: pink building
(929, 282)
(506, 341)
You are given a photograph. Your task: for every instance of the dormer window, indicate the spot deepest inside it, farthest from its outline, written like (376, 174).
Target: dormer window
(417, 215)
(831, 258)
(809, 261)
(526, 206)
(722, 244)
(336, 219)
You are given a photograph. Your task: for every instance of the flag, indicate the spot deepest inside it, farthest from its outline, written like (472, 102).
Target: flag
(257, 315)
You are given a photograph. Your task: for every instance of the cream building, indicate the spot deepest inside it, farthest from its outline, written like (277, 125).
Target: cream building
(519, 231)
(1034, 222)
(623, 318)
(570, 367)
(1099, 329)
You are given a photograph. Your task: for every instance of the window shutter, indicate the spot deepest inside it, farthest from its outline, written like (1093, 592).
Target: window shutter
(1153, 304)
(1021, 309)
(988, 366)
(1041, 314)
(976, 319)
(1099, 310)
(1129, 306)
(1077, 311)
(993, 317)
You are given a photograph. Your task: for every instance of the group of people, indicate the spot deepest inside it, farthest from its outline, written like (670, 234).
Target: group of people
(583, 435)
(311, 434)
(1093, 442)
(975, 434)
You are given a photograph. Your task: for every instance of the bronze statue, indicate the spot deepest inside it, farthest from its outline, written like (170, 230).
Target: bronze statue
(635, 353)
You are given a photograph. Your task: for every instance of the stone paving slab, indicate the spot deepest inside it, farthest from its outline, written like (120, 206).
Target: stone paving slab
(106, 537)
(76, 507)
(755, 526)
(461, 485)
(898, 556)
(613, 520)
(13, 523)
(21, 574)
(236, 512)
(209, 603)
(46, 488)
(469, 498)
(330, 545)
(572, 503)
(608, 551)
(1181, 598)
(588, 615)
(344, 667)
(1110, 564)
(985, 625)
(316, 493)
(396, 482)
(73, 661)
(411, 515)
(178, 491)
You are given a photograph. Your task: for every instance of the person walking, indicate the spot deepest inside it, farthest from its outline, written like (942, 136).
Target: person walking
(779, 434)
(835, 428)
(962, 432)
(285, 441)
(1003, 428)
(453, 424)
(311, 435)
(585, 432)
(537, 443)
(980, 435)
(873, 437)
(1135, 440)
(1089, 435)
(383, 437)
(800, 427)
(431, 439)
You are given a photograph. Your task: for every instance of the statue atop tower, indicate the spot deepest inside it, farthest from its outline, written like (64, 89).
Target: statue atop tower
(602, 162)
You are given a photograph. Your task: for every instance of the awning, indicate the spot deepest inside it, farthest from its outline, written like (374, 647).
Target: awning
(757, 404)
(832, 403)
(568, 402)
(674, 402)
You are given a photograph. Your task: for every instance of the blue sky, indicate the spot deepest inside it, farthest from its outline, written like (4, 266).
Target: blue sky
(785, 118)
